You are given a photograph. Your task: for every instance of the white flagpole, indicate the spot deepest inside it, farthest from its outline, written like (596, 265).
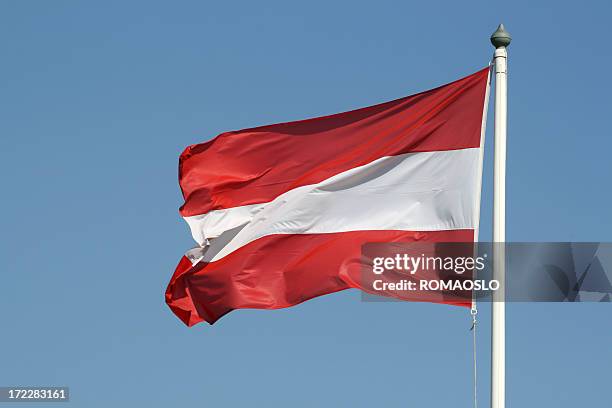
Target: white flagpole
(500, 40)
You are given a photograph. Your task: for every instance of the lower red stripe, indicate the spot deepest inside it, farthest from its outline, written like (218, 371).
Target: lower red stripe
(279, 271)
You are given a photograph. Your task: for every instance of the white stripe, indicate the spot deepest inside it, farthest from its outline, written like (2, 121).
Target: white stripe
(428, 191)
(214, 223)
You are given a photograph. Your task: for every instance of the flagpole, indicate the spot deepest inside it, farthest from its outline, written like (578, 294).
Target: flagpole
(500, 40)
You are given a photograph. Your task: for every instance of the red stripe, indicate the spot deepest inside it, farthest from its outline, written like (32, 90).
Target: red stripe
(256, 165)
(278, 271)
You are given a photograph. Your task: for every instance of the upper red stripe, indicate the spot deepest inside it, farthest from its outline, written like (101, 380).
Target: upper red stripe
(256, 165)
(283, 270)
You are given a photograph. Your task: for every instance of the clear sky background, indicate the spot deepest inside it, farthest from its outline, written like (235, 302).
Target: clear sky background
(98, 99)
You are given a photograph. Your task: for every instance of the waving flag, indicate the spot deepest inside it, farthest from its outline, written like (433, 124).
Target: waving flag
(280, 212)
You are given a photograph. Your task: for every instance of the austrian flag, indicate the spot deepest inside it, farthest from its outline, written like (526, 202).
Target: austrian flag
(280, 213)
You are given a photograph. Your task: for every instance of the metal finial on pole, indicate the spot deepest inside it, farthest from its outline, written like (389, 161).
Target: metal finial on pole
(500, 40)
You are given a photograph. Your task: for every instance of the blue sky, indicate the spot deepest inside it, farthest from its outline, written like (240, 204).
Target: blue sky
(99, 99)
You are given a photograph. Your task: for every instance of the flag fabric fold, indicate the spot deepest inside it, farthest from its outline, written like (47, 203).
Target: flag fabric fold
(280, 212)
